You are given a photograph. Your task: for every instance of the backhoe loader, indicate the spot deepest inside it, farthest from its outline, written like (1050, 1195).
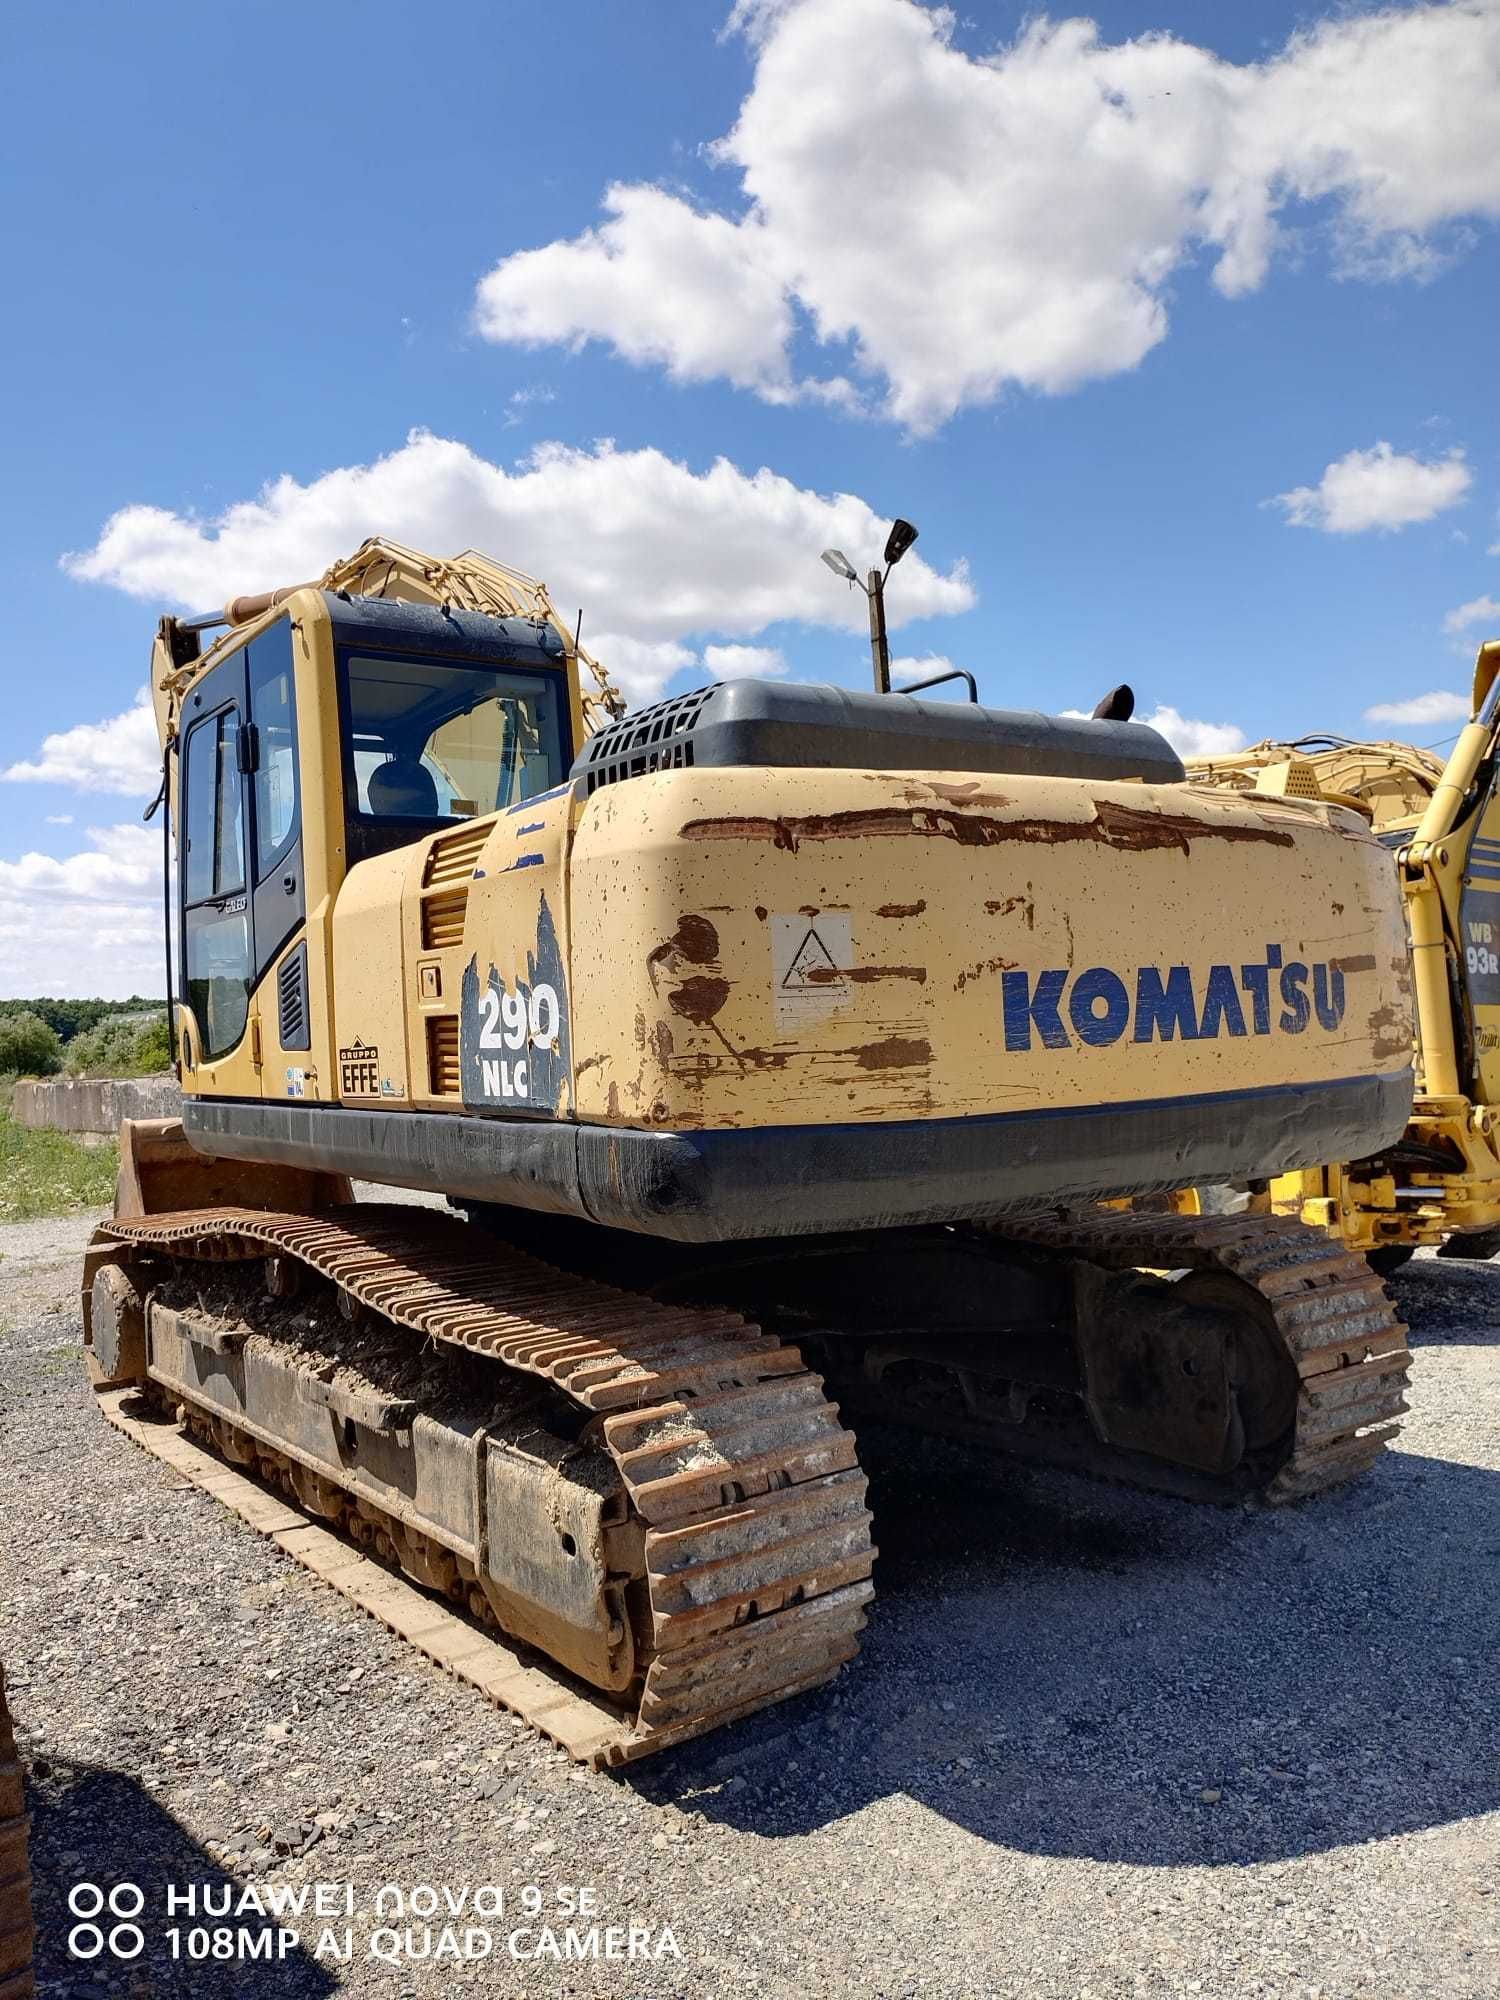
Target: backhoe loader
(776, 1049)
(1439, 1183)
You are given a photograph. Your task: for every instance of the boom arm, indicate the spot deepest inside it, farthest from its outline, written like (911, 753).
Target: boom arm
(1423, 866)
(467, 582)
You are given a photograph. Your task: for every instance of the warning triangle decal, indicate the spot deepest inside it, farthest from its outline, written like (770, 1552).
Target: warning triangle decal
(812, 966)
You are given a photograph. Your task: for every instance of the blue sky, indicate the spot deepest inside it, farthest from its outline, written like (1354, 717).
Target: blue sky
(257, 245)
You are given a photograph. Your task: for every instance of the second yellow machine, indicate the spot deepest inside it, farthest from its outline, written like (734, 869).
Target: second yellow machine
(774, 1029)
(1439, 1184)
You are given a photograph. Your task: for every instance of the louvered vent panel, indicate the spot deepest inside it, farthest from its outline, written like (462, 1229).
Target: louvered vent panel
(444, 1078)
(658, 738)
(291, 1000)
(452, 859)
(443, 919)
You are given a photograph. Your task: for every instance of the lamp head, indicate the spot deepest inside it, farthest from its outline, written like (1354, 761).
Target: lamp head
(900, 539)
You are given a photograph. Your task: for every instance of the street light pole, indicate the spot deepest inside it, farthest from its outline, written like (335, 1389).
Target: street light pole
(900, 539)
(880, 652)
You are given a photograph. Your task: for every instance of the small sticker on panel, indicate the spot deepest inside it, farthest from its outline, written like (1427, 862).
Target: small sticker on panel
(810, 961)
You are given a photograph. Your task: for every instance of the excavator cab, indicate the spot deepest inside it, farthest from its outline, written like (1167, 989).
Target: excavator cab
(332, 729)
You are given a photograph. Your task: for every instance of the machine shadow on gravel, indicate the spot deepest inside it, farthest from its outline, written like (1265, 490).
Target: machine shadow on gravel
(1448, 1302)
(1069, 1669)
(90, 1824)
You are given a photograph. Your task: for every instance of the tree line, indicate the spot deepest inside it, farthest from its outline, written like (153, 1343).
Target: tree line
(67, 1018)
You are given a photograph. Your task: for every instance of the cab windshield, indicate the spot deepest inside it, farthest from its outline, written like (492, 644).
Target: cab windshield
(431, 741)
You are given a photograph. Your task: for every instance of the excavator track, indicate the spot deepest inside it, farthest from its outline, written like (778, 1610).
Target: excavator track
(746, 1488)
(17, 1932)
(1325, 1308)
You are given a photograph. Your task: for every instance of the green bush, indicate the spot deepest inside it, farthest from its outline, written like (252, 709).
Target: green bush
(47, 1173)
(28, 1046)
(125, 1046)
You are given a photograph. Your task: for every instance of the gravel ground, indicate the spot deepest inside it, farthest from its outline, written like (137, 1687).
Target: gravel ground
(1097, 1743)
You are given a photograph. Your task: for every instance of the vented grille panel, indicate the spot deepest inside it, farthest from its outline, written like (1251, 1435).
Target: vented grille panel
(452, 858)
(659, 738)
(444, 1078)
(291, 1000)
(443, 919)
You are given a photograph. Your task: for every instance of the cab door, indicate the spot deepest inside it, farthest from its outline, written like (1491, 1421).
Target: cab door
(216, 940)
(278, 902)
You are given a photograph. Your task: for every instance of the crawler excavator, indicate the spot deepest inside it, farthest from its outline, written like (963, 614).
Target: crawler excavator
(1438, 1184)
(778, 1050)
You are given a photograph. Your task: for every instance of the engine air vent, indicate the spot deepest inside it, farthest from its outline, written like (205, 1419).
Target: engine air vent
(451, 859)
(443, 919)
(444, 1076)
(445, 885)
(659, 738)
(292, 1024)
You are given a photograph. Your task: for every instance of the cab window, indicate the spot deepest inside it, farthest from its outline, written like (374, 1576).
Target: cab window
(216, 923)
(274, 711)
(432, 742)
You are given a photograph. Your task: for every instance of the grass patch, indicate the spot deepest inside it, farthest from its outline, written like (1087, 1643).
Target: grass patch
(47, 1173)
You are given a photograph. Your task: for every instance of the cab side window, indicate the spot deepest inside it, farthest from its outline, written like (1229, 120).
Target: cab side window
(215, 913)
(274, 711)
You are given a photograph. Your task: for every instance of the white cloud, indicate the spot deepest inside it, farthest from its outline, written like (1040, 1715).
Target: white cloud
(714, 304)
(1436, 706)
(1379, 488)
(1195, 739)
(519, 401)
(119, 755)
(725, 662)
(1017, 216)
(1188, 737)
(1478, 611)
(920, 667)
(88, 923)
(59, 819)
(659, 555)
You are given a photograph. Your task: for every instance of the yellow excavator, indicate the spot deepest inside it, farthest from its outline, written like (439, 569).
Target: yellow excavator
(1439, 1183)
(778, 1050)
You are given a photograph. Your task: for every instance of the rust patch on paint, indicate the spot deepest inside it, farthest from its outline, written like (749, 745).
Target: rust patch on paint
(1130, 828)
(760, 912)
(695, 941)
(661, 1041)
(970, 793)
(864, 975)
(895, 1052)
(903, 909)
(978, 971)
(698, 999)
(588, 1062)
(997, 909)
(1391, 1033)
(1364, 963)
(612, 1104)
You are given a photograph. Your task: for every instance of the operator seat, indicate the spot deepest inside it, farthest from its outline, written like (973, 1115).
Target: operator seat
(403, 788)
